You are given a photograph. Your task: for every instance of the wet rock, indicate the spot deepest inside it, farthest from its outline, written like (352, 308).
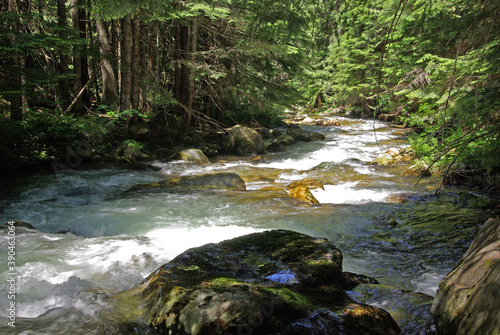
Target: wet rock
(383, 159)
(299, 134)
(327, 122)
(266, 133)
(226, 181)
(193, 156)
(275, 146)
(353, 280)
(352, 320)
(401, 198)
(411, 310)
(467, 299)
(419, 169)
(262, 283)
(303, 193)
(309, 182)
(393, 156)
(285, 140)
(244, 141)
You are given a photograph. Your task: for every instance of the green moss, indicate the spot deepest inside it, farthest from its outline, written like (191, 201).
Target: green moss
(220, 283)
(296, 300)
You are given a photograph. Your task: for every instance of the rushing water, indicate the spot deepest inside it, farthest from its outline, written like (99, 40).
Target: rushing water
(111, 242)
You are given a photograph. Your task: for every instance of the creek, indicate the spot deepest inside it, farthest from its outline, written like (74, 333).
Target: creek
(113, 241)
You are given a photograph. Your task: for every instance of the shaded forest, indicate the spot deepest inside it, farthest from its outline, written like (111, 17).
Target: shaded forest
(104, 75)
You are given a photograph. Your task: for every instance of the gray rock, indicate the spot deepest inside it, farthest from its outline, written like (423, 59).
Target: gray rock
(467, 301)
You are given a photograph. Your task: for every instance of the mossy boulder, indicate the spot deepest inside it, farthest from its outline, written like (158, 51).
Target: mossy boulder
(244, 141)
(285, 140)
(261, 283)
(222, 181)
(467, 299)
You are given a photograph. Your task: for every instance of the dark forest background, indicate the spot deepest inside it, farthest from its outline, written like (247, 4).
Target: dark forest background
(143, 74)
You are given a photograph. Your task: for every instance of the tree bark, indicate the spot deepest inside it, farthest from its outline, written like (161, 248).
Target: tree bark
(80, 68)
(136, 65)
(64, 59)
(15, 97)
(110, 95)
(193, 41)
(126, 63)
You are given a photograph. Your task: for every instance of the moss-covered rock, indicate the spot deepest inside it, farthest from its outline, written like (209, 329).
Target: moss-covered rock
(244, 141)
(259, 283)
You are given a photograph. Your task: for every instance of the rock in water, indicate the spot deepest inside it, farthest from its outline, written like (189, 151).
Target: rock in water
(261, 283)
(299, 134)
(244, 141)
(222, 181)
(303, 193)
(467, 301)
(193, 156)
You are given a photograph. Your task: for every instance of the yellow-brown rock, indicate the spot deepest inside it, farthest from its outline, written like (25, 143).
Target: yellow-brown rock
(303, 193)
(309, 182)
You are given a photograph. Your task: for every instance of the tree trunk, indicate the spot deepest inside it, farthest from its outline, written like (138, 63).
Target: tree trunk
(109, 81)
(15, 97)
(193, 40)
(126, 64)
(136, 65)
(64, 57)
(80, 69)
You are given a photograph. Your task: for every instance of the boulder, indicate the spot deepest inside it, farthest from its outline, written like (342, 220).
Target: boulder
(223, 180)
(275, 146)
(299, 134)
(244, 141)
(303, 193)
(262, 283)
(467, 299)
(285, 140)
(193, 156)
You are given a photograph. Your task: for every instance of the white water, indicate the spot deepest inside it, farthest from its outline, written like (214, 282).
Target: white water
(116, 241)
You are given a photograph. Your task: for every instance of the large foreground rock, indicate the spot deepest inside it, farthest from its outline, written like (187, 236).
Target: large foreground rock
(275, 282)
(244, 141)
(467, 301)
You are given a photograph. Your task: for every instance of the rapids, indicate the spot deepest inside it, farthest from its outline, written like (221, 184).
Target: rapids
(112, 241)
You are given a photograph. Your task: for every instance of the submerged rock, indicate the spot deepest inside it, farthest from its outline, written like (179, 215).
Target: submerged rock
(263, 283)
(467, 299)
(226, 181)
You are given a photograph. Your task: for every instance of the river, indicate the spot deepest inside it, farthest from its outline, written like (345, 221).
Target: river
(113, 241)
